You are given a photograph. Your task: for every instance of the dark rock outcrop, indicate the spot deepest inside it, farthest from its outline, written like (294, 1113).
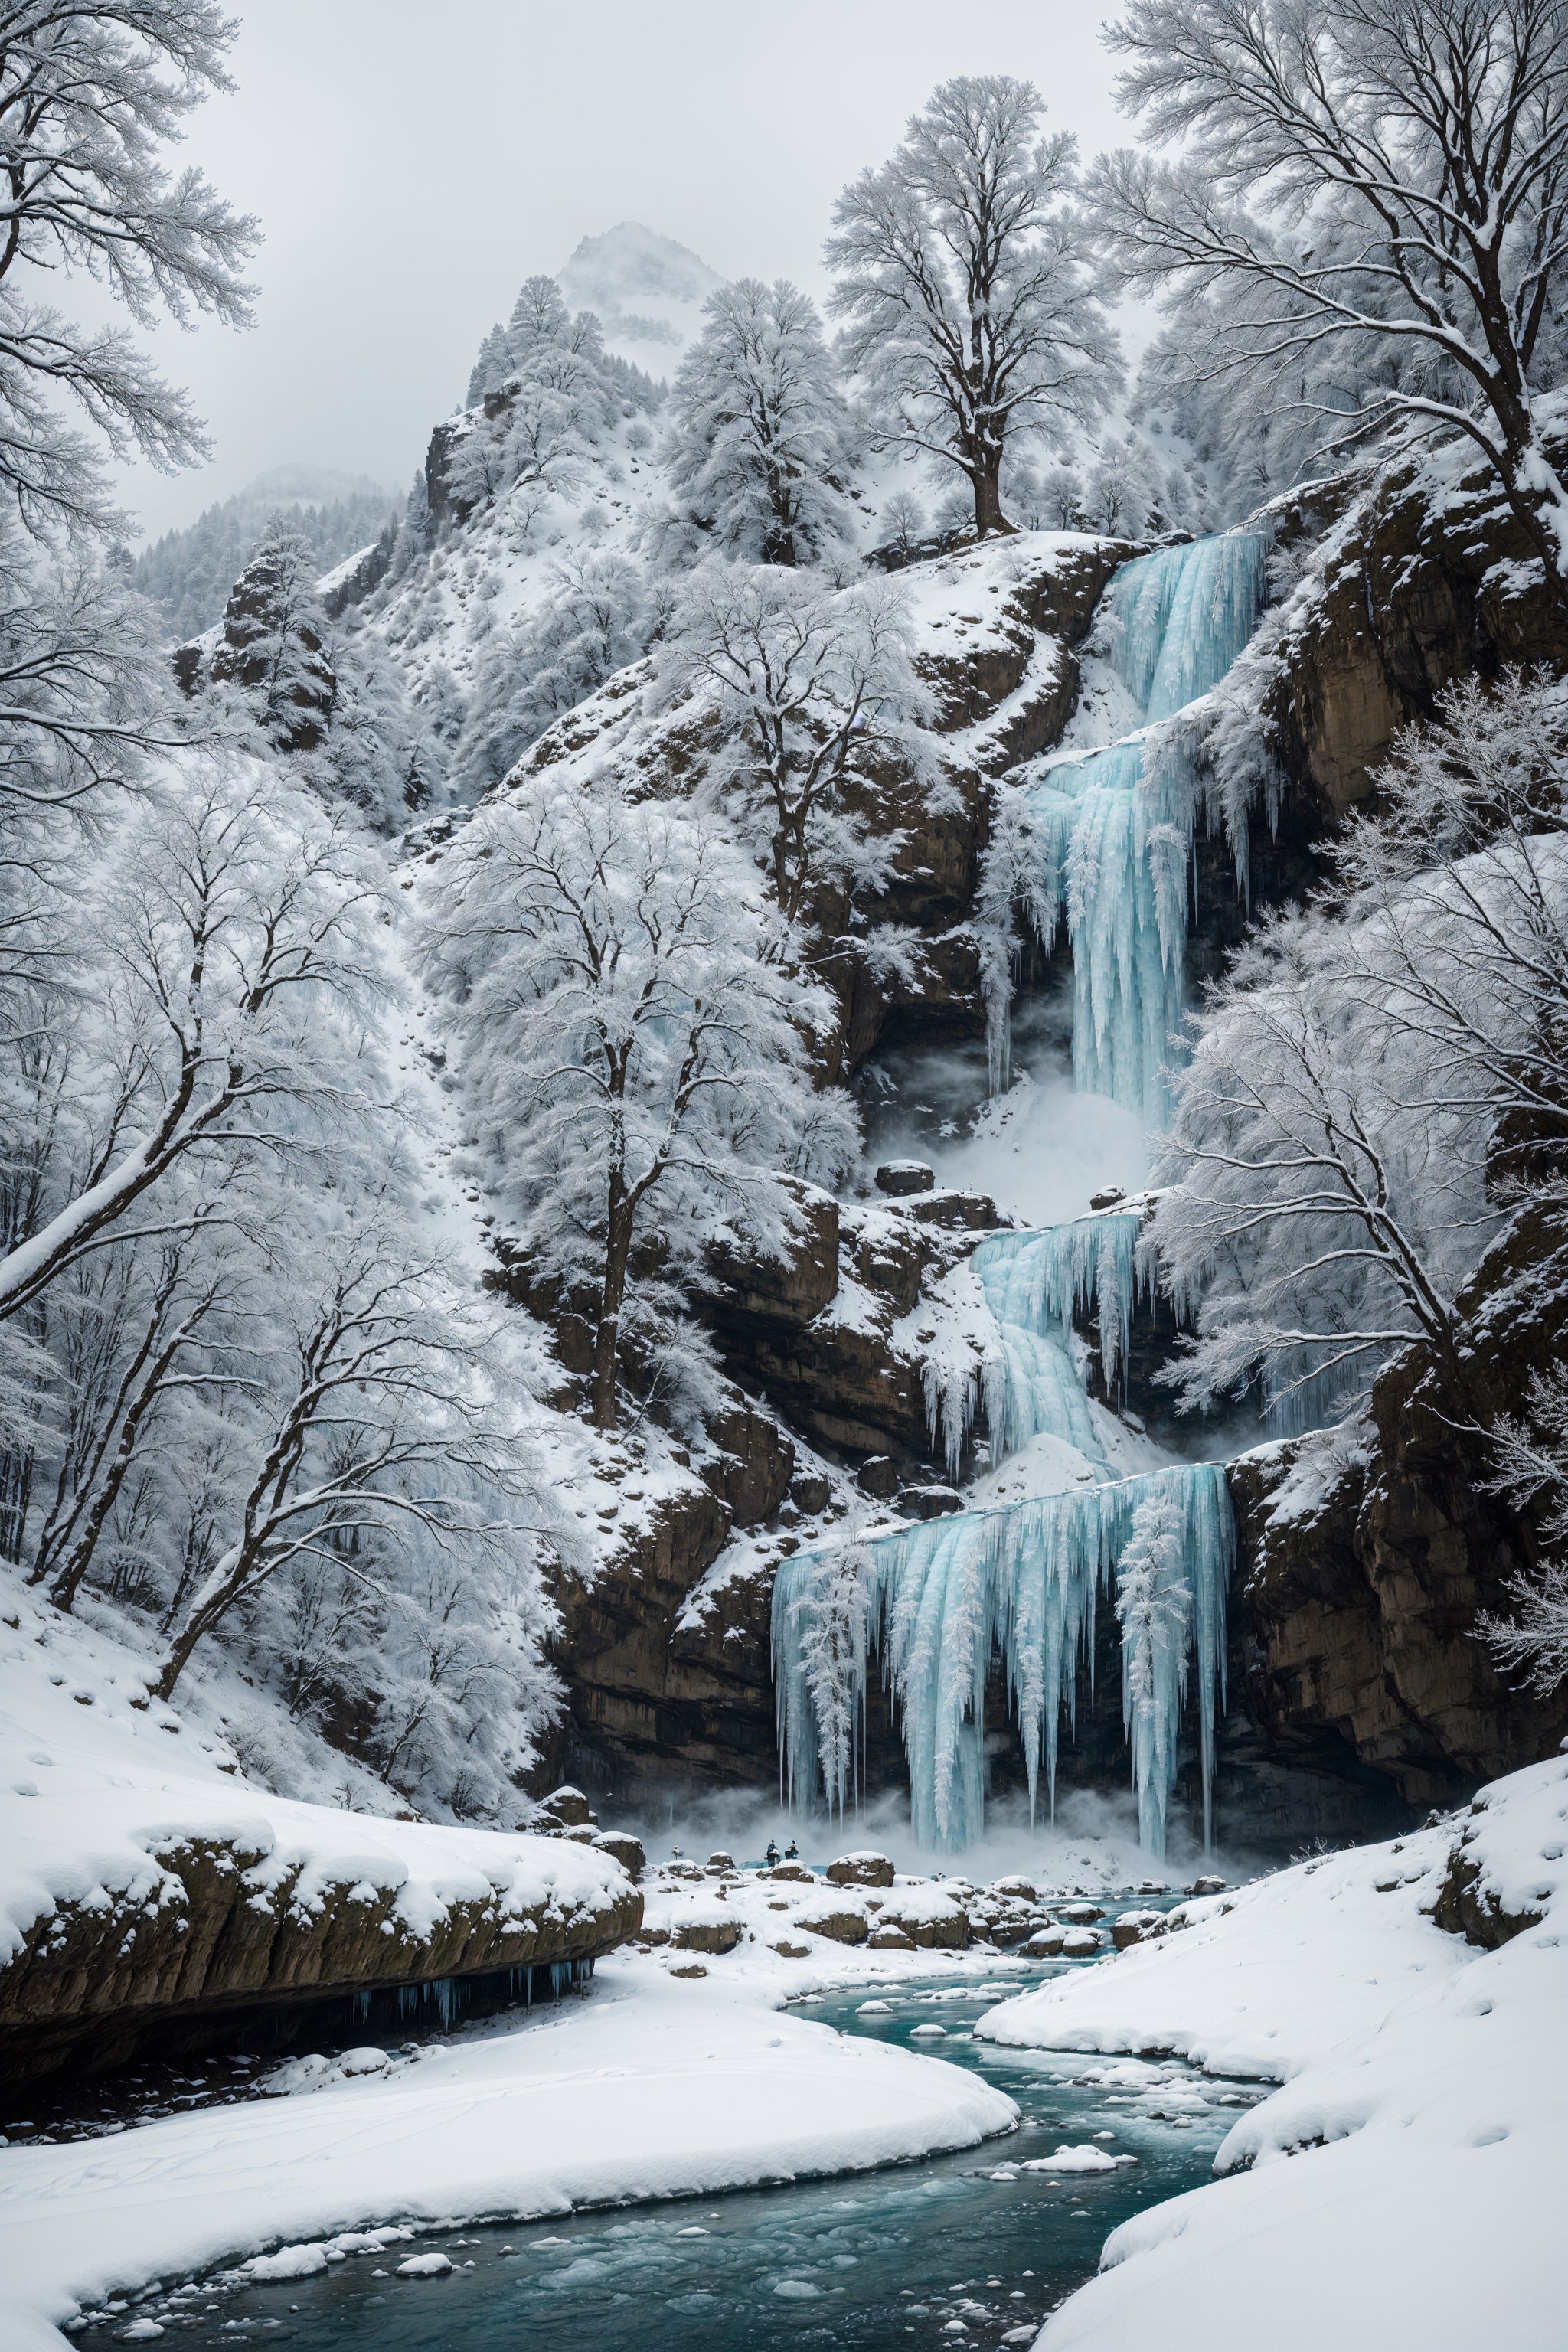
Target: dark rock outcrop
(1465, 1906)
(1364, 1591)
(1415, 596)
(95, 1984)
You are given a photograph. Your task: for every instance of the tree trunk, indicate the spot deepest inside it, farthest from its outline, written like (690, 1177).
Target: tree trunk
(985, 475)
(1536, 495)
(607, 1337)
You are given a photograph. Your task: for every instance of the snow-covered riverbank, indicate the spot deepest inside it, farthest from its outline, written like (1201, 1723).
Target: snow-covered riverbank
(1424, 2106)
(650, 2089)
(656, 2085)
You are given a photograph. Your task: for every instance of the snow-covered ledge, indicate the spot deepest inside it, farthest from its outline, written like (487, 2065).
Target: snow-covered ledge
(143, 1884)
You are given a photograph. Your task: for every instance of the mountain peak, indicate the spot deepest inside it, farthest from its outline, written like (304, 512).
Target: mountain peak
(646, 289)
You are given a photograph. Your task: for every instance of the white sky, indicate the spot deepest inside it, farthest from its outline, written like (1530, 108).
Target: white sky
(412, 161)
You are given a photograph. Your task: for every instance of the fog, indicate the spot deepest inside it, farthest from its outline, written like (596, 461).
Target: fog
(411, 165)
(1093, 1840)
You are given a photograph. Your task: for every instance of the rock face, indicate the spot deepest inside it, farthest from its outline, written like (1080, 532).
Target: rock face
(92, 1987)
(1369, 1566)
(998, 633)
(1414, 600)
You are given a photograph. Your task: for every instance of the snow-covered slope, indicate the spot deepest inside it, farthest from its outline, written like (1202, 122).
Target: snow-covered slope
(98, 1782)
(1401, 2188)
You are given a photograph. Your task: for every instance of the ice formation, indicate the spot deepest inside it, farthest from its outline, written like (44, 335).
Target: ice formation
(1034, 1282)
(1115, 824)
(939, 1601)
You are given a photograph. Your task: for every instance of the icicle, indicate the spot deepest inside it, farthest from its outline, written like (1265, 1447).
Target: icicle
(941, 1597)
(1037, 1281)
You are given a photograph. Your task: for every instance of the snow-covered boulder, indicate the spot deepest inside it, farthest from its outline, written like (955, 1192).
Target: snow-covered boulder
(841, 1922)
(862, 1869)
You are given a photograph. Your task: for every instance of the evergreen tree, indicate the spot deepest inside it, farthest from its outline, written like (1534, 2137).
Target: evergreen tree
(274, 634)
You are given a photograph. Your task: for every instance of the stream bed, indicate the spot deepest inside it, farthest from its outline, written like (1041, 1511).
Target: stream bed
(867, 2261)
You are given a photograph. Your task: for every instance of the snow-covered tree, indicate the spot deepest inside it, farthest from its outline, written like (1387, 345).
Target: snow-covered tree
(1374, 195)
(1123, 490)
(904, 521)
(275, 629)
(543, 417)
(378, 753)
(633, 1065)
(1382, 1078)
(967, 287)
(1530, 1452)
(211, 954)
(813, 696)
(89, 93)
(599, 610)
(759, 440)
(375, 1432)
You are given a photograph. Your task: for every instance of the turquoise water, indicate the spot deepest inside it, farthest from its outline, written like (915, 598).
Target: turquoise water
(870, 2260)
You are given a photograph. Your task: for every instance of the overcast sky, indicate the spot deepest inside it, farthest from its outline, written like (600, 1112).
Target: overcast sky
(412, 160)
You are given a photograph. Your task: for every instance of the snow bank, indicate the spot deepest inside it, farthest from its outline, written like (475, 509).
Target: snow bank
(1404, 2187)
(96, 1780)
(649, 2089)
(1260, 1981)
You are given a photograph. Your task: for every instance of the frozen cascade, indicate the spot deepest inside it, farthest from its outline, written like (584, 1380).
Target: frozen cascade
(936, 1599)
(1037, 1281)
(1116, 824)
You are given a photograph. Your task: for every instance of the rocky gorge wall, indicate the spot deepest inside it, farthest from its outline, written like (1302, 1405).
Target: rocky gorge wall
(1358, 1693)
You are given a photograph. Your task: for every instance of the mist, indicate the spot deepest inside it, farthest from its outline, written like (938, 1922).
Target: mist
(382, 267)
(1091, 1845)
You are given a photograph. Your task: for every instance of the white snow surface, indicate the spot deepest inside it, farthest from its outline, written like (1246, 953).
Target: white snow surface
(651, 2088)
(1403, 2186)
(95, 1779)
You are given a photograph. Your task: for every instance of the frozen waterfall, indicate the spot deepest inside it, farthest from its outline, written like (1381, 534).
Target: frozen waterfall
(938, 1599)
(940, 1603)
(1115, 824)
(1034, 1283)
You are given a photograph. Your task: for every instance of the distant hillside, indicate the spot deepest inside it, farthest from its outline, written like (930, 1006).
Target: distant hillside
(189, 572)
